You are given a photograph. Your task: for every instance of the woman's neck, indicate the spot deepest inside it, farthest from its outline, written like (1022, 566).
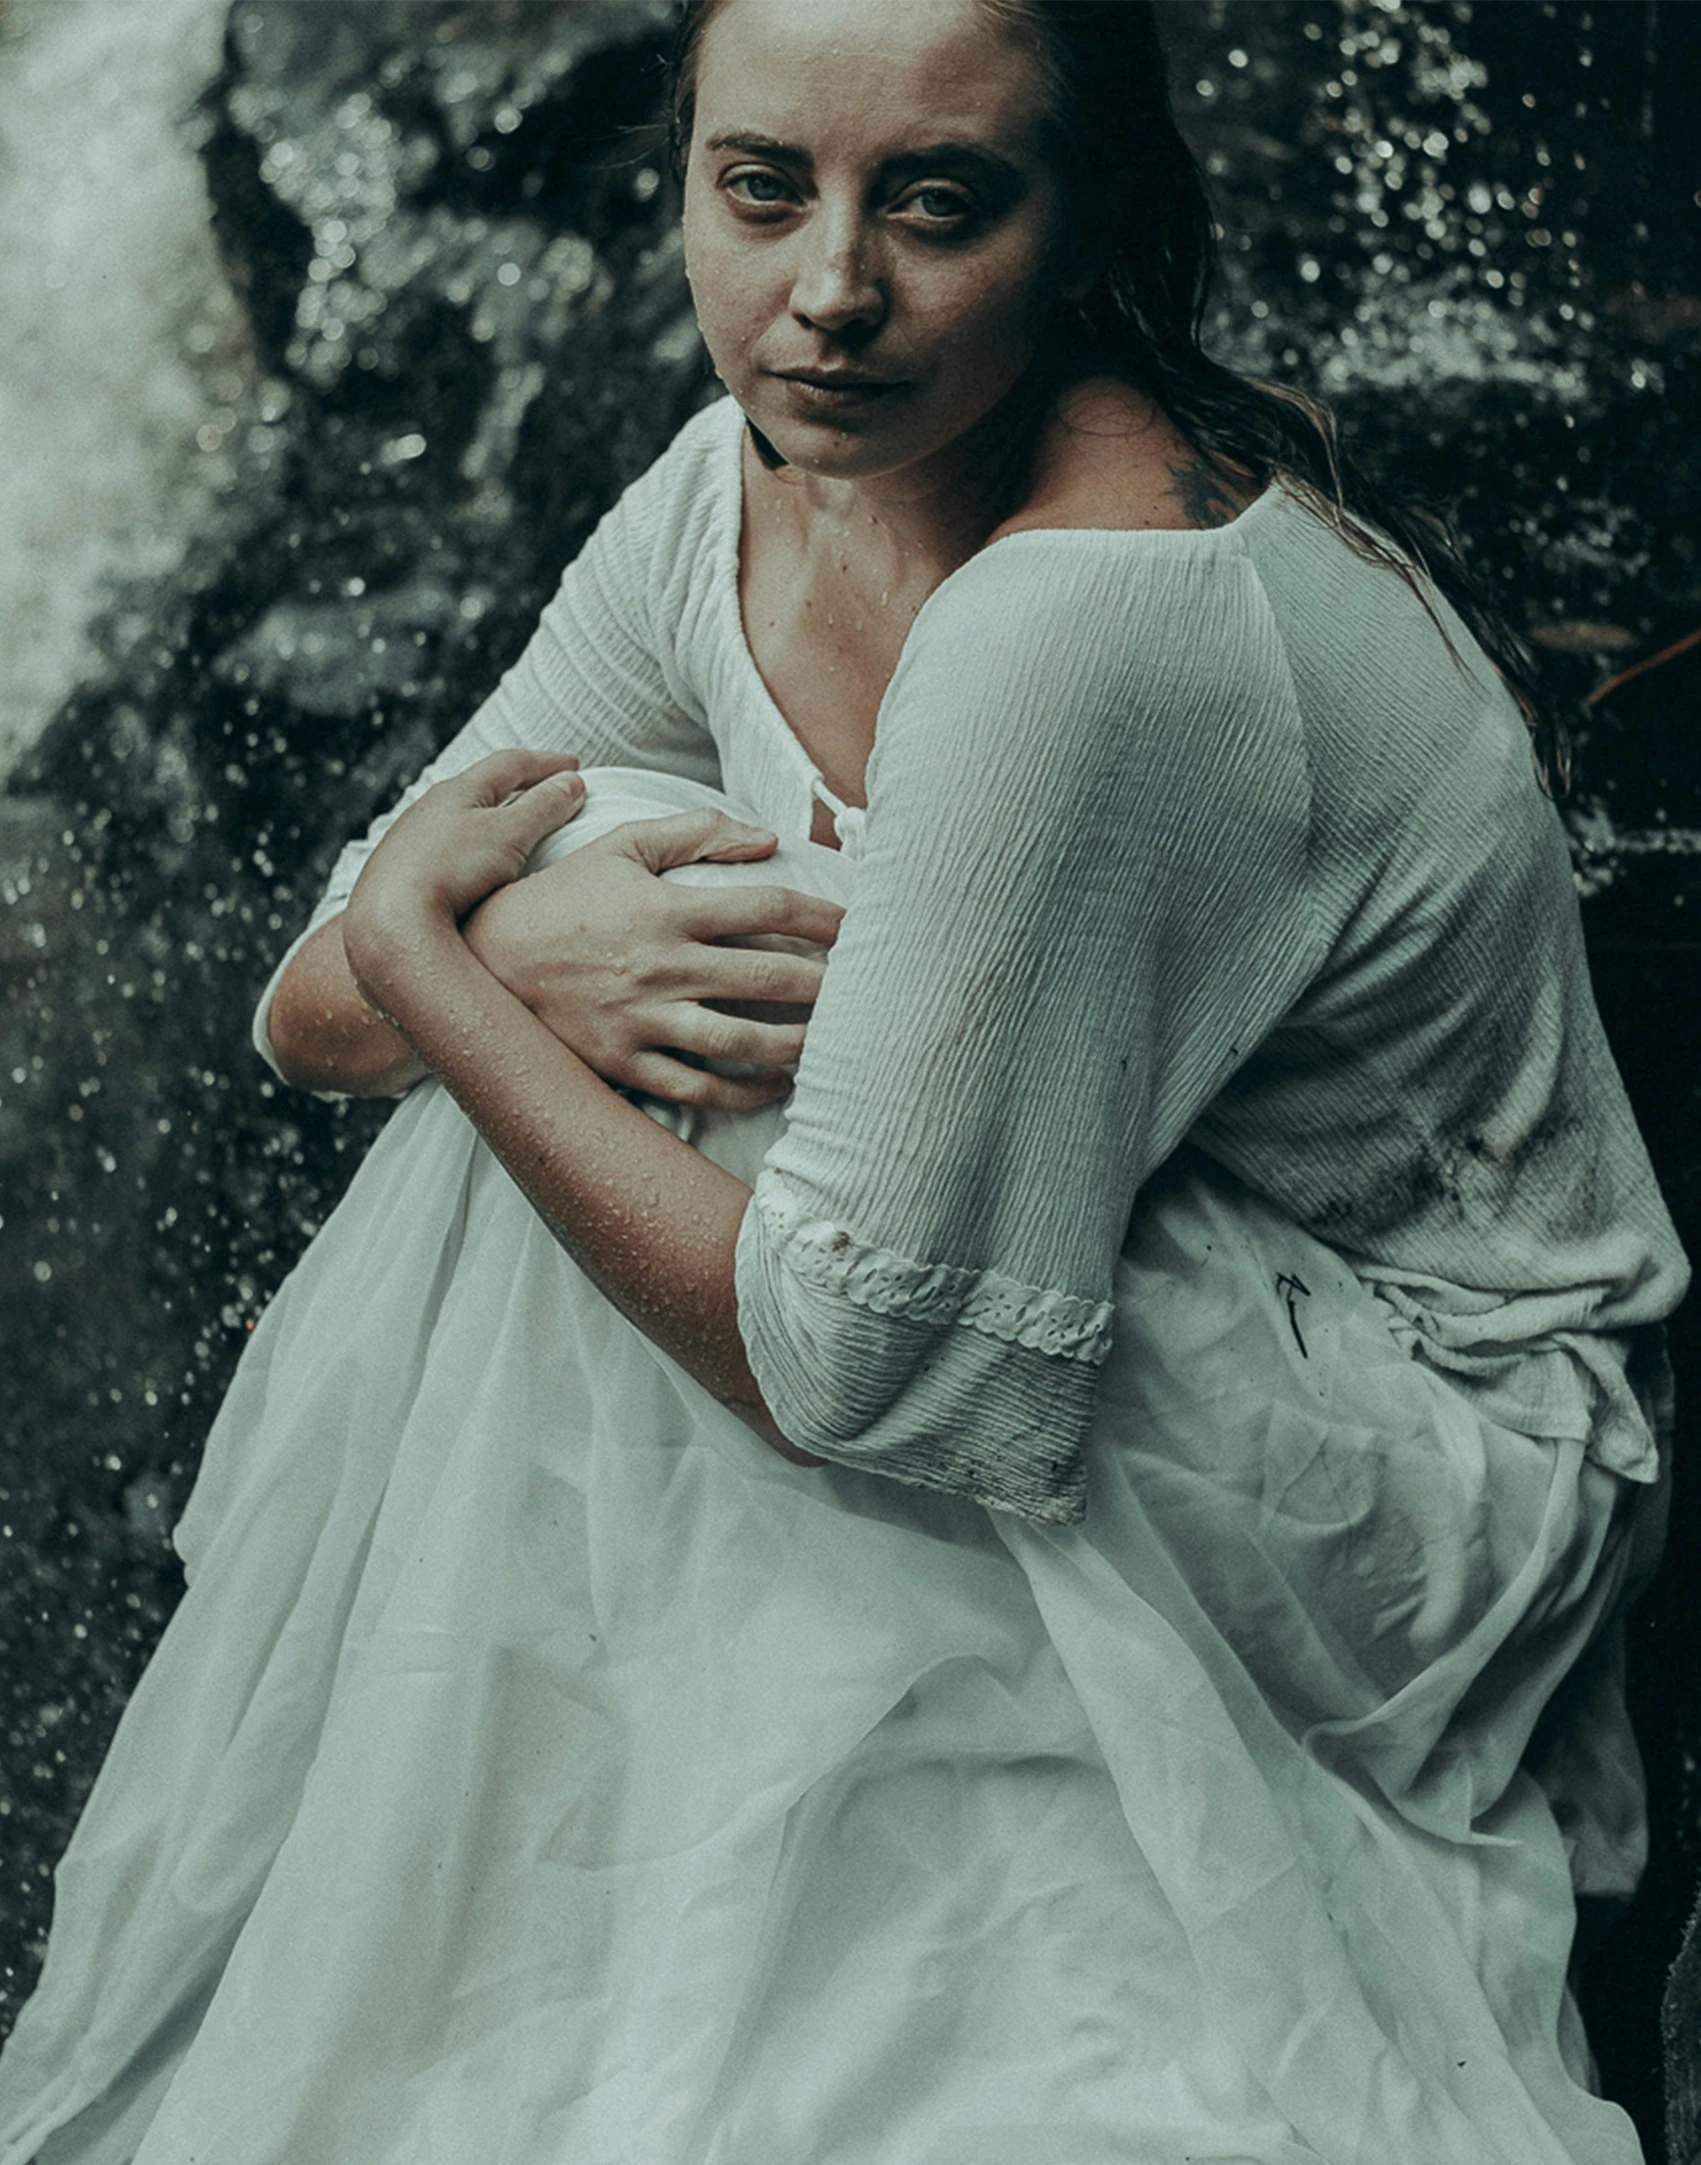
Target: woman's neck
(936, 514)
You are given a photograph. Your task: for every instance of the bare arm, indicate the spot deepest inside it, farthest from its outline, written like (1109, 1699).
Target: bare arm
(627, 969)
(651, 1220)
(325, 1036)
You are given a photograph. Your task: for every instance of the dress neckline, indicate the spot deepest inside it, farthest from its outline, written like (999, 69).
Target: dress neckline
(730, 563)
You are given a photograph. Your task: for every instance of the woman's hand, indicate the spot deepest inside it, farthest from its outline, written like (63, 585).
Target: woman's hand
(463, 839)
(632, 972)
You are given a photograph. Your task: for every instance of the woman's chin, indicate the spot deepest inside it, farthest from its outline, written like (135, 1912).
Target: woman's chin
(877, 432)
(850, 435)
(832, 447)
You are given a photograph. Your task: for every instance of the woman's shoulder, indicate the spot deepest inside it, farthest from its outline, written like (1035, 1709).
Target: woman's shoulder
(666, 541)
(1108, 461)
(1128, 551)
(696, 473)
(1124, 594)
(1087, 636)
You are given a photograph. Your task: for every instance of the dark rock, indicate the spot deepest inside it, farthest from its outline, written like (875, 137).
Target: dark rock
(441, 216)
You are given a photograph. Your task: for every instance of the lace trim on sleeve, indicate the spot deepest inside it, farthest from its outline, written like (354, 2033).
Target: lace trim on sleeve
(1043, 1320)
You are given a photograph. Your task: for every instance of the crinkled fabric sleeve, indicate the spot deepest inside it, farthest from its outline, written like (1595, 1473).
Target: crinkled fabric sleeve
(1084, 899)
(598, 678)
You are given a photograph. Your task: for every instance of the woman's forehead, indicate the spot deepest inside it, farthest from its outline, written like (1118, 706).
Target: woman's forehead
(924, 69)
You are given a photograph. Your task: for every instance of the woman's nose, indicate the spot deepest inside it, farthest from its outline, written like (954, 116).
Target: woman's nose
(838, 286)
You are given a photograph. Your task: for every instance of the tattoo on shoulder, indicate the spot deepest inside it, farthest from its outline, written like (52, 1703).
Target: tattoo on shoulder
(1203, 495)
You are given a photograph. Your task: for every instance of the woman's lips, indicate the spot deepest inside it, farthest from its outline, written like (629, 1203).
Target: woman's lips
(831, 390)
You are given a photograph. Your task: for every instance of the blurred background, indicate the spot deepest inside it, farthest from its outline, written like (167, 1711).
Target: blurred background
(327, 328)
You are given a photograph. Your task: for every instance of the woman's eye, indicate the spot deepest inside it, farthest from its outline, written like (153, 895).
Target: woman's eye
(939, 206)
(758, 188)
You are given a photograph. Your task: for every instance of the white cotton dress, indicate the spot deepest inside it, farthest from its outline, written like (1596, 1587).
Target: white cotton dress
(539, 1771)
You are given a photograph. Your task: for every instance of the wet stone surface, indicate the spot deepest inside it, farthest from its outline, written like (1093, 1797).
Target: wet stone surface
(1473, 228)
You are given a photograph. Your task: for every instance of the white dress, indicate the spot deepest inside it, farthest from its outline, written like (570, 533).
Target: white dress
(541, 1772)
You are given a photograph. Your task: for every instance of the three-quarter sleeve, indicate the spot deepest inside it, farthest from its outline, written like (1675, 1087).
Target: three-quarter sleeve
(1084, 900)
(597, 678)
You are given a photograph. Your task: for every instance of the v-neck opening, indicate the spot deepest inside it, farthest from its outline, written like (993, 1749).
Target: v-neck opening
(731, 566)
(732, 576)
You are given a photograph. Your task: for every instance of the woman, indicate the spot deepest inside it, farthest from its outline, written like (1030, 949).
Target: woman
(1203, 1151)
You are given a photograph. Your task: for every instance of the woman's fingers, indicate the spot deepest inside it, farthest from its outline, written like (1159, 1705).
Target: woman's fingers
(535, 812)
(755, 974)
(706, 837)
(520, 798)
(743, 1041)
(504, 777)
(642, 977)
(493, 816)
(752, 912)
(465, 837)
(731, 912)
(661, 1076)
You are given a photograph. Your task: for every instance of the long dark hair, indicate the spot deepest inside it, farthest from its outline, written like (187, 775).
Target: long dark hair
(1151, 233)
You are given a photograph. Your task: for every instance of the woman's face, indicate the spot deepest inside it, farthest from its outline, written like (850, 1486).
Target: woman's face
(874, 232)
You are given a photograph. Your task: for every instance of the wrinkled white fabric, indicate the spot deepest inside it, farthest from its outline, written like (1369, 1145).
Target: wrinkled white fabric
(1169, 834)
(541, 1772)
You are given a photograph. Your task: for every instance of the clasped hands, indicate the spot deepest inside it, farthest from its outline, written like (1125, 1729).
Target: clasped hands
(640, 977)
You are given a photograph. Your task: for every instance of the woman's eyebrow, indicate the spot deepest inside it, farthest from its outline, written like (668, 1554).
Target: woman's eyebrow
(941, 157)
(760, 146)
(971, 160)
(966, 161)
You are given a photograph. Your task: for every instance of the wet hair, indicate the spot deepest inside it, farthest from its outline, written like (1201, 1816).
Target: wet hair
(1150, 232)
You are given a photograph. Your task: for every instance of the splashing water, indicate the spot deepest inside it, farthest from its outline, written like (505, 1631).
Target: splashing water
(126, 365)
